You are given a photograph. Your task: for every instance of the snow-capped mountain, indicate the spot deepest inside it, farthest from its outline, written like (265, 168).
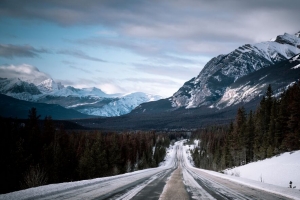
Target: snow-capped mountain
(120, 106)
(251, 86)
(49, 85)
(92, 101)
(219, 73)
(18, 88)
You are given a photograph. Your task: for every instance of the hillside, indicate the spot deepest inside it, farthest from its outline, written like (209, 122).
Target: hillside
(14, 108)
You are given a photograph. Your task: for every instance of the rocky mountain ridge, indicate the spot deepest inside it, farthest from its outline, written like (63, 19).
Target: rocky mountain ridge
(212, 83)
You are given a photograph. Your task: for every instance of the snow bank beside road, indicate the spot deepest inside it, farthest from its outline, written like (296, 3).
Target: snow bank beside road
(278, 170)
(170, 155)
(287, 164)
(104, 184)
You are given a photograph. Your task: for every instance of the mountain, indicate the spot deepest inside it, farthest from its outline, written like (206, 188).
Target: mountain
(11, 107)
(49, 85)
(247, 91)
(18, 89)
(118, 106)
(52, 88)
(91, 101)
(214, 85)
(227, 82)
(222, 71)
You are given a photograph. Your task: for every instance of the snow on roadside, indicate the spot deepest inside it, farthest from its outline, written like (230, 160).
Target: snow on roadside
(32, 193)
(278, 170)
(169, 159)
(291, 167)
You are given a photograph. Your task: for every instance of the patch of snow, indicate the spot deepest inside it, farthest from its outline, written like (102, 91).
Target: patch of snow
(263, 77)
(244, 93)
(281, 170)
(81, 104)
(297, 66)
(297, 57)
(170, 156)
(217, 78)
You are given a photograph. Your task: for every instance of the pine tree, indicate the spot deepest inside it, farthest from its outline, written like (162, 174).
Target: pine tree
(272, 129)
(249, 138)
(238, 137)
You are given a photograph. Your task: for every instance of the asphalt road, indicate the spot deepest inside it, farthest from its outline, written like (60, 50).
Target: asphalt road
(190, 183)
(178, 181)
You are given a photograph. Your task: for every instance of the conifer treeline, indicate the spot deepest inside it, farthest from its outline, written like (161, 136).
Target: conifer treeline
(32, 155)
(272, 129)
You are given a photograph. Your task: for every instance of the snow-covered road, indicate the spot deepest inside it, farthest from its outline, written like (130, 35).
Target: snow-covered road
(175, 179)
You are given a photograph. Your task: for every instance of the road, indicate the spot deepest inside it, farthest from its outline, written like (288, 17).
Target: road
(177, 180)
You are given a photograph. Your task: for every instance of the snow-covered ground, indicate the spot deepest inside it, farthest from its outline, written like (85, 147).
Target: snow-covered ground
(278, 170)
(276, 173)
(170, 157)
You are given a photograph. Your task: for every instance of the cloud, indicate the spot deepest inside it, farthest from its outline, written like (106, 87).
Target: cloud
(24, 72)
(79, 54)
(168, 26)
(109, 86)
(151, 50)
(11, 51)
(178, 72)
(151, 80)
(81, 69)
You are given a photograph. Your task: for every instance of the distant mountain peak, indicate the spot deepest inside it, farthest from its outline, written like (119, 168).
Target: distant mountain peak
(286, 38)
(49, 85)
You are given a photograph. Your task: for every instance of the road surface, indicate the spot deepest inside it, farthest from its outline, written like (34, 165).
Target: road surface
(177, 180)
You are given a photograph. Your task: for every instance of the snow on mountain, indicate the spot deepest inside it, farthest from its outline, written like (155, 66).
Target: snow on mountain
(254, 85)
(243, 93)
(18, 88)
(91, 101)
(122, 105)
(220, 72)
(49, 85)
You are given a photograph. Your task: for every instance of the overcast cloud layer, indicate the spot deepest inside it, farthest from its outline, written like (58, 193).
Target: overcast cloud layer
(146, 39)
(24, 72)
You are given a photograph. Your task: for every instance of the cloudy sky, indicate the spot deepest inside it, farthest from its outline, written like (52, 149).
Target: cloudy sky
(132, 45)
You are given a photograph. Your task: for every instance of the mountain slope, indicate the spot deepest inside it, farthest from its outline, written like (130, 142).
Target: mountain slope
(223, 70)
(118, 106)
(11, 107)
(245, 89)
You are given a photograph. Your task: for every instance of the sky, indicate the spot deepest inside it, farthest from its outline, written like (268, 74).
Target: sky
(124, 46)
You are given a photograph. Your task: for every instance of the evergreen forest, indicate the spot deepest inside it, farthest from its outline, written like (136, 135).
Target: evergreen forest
(33, 154)
(273, 128)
